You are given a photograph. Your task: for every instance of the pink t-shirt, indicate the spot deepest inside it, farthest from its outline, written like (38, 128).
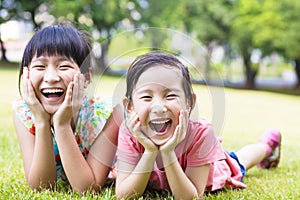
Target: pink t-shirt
(200, 147)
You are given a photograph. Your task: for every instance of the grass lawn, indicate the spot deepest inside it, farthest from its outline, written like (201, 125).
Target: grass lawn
(246, 115)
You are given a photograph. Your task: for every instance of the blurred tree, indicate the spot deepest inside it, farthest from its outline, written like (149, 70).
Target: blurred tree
(210, 22)
(207, 21)
(244, 30)
(268, 26)
(7, 12)
(102, 18)
(289, 39)
(34, 11)
(276, 29)
(157, 14)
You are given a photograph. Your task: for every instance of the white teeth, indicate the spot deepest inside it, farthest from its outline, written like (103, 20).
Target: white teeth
(52, 90)
(159, 122)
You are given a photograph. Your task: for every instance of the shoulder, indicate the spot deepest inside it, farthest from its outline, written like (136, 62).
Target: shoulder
(96, 107)
(201, 122)
(202, 143)
(20, 105)
(126, 140)
(23, 113)
(92, 117)
(98, 103)
(124, 134)
(129, 149)
(200, 127)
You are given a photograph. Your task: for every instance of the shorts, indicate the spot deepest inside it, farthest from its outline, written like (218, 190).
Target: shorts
(242, 168)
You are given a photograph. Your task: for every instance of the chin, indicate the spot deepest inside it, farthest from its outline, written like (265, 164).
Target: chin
(51, 110)
(160, 142)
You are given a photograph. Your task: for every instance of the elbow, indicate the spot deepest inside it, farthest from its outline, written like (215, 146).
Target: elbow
(185, 196)
(80, 190)
(124, 195)
(35, 187)
(85, 187)
(38, 186)
(120, 195)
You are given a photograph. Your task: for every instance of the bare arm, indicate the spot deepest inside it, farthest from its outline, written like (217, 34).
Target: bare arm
(132, 180)
(103, 150)
(91, 173)
(75, 166)
(37, 154)
(185, 185)
(82, 174)
(37, 151)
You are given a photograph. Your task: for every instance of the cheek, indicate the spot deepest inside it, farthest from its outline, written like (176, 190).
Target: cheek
(141, 111)
(176, 106)
(35, 78)
(68, 77)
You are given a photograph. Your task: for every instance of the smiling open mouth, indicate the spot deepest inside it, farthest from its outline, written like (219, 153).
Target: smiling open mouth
(160, 126)
(49, 93)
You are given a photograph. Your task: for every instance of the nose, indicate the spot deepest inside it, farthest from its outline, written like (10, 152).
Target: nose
(159, 109)
(51, 75)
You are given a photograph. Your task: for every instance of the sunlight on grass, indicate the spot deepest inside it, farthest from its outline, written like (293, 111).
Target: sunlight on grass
(247, 114)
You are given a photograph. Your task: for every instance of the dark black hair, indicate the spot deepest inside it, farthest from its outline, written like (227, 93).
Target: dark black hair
(154, 58)
(63, 40)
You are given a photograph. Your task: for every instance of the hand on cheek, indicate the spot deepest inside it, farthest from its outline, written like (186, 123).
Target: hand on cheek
(29, 96)
(73, 100)
(63, 115)
(134, 126)
(179, 133)
(78, 93)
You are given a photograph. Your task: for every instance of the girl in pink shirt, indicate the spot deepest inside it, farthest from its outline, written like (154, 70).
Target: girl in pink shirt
(160, 148)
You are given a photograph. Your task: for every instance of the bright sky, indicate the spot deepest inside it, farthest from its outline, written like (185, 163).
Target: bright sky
(10, 30)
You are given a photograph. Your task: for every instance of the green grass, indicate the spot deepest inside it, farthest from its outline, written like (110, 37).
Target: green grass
(247, 115)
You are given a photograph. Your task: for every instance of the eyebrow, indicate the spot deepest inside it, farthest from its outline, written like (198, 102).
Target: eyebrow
(43, 58)
(166, 90)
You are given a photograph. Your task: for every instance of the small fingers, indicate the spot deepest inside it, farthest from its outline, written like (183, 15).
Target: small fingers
(69, 92)
(28, 91)
(25, 81)
(77, 93)
(132, 120)
(181, 128)
(78, 86)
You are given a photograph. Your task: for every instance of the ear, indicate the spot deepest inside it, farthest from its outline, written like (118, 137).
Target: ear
(128, 106)
(194, 100)
(88, 78)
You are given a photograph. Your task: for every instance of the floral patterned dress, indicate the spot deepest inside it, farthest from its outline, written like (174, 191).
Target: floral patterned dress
(92, 117)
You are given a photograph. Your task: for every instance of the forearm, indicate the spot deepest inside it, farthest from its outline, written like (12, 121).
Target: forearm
(135, 182)
(180, 184)
(42, 171)
(75, 166)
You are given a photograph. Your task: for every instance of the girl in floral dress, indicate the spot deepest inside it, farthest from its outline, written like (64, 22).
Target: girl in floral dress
(64, 136)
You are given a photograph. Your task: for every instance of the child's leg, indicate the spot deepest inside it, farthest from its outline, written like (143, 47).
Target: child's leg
(265, 154)
(251, 154)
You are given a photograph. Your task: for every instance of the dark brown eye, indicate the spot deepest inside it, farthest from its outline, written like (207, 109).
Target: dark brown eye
(64, 67)
(171, 96)
(147, 98)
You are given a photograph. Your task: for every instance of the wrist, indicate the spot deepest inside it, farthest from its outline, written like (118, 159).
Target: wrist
(168, 157)
(150, 153)
(42, 124)
(56, 122)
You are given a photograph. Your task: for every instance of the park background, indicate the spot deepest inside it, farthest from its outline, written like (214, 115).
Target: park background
(244, 56)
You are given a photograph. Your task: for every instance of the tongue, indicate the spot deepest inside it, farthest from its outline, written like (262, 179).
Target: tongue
(160, 127)
(53, 95)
